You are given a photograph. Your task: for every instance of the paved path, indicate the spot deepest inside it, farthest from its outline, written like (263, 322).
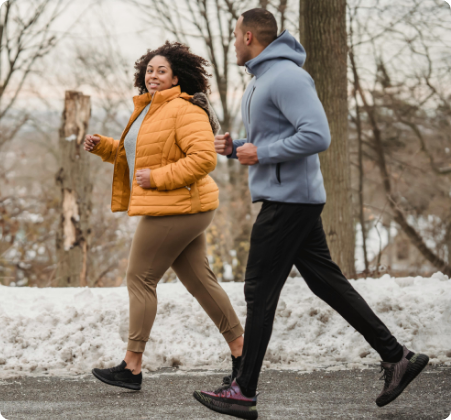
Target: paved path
(285, 395)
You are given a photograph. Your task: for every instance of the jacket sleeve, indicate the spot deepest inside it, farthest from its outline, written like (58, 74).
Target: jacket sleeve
(298, 102)
(106, 148)
(195, 138)
(236, 144)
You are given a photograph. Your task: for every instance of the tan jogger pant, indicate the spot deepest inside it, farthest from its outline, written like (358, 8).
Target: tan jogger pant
(179, 242)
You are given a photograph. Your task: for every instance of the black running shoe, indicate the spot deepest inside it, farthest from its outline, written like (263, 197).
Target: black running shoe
(398, 375)
(229, 400)
(227, 380)
(119, 376)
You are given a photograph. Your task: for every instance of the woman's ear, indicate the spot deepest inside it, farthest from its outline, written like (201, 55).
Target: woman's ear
(175, 81)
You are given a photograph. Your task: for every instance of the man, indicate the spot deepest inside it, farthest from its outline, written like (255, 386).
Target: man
(286, 129)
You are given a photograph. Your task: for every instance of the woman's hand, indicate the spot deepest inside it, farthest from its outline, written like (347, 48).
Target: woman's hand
(91, 142)
(143, 178)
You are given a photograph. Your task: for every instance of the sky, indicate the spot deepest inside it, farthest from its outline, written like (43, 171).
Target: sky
(121, 19)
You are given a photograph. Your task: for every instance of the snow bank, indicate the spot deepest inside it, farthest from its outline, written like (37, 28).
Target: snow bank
(69, 331)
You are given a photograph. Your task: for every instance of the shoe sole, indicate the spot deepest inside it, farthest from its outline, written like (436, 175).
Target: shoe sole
(409, 376)
(117, 383)
(249, 415)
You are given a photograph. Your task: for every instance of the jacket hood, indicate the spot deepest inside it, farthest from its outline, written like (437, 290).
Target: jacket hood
(284, 47)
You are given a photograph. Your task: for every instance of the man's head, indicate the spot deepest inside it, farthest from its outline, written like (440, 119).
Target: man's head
(254, 31)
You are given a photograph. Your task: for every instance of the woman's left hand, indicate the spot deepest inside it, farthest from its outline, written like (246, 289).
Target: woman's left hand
(143, 178)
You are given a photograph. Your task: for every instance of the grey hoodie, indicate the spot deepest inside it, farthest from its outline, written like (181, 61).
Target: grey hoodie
(284, 118)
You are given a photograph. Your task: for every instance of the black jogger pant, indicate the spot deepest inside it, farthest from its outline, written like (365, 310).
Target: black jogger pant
(285, 234)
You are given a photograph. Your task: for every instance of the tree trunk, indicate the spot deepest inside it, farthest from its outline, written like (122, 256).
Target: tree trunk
(323, 34)
(73, 179)
(358, 124)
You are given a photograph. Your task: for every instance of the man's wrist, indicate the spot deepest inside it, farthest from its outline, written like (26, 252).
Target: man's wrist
(231, 154)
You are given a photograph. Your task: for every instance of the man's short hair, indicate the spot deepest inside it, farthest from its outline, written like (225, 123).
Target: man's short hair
(262, 24)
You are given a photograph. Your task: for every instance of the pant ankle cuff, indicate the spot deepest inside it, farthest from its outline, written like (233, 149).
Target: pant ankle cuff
(245, 391)
(233, 333)
(394, 357)
(136, 346)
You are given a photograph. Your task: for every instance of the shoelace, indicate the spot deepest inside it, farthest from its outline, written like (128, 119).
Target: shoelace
(387, 375)
(226, 391)
(116, 369)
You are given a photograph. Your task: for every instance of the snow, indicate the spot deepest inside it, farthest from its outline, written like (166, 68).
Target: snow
(69, 331)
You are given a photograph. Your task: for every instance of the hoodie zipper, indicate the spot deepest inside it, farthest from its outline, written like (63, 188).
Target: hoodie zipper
(249, 105)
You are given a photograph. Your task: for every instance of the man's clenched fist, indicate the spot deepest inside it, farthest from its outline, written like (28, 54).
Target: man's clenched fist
(247, 154)
(224, 144)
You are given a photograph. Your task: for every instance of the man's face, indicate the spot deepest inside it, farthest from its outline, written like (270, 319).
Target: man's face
(243, 52)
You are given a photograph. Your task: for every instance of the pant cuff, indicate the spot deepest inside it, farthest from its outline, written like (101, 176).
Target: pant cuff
(136, 346)
(233, 333)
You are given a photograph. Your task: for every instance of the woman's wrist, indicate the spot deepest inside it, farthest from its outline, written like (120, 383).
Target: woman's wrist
(152, 181)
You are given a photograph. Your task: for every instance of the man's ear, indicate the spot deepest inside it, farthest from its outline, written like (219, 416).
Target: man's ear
(248, 38)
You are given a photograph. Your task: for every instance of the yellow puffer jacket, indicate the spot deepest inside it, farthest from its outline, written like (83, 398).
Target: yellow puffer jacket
(176, 143)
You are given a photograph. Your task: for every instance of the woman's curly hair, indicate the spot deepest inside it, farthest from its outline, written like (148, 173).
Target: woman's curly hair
(188, 67)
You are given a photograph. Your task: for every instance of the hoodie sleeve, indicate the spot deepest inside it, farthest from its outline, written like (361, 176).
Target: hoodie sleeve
(236, 144)
(296, 98)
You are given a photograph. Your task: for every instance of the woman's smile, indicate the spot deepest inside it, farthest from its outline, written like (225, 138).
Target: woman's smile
(159, 75)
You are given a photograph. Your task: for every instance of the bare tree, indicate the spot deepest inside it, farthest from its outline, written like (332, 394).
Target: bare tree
(29, 200)
(402, 116)
(25, 38)
(323, 34)
(212, 22)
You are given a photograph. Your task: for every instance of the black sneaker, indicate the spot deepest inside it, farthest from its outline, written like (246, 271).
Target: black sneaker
(398, 375)
(227, 380)
(119, 376)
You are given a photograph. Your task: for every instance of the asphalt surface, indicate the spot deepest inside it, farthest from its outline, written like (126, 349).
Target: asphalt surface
(284, 395)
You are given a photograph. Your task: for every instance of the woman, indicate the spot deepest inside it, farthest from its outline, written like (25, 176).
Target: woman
(161, 166)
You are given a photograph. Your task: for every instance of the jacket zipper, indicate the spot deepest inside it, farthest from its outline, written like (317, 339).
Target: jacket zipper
(136, 145)
(249, 106)
(278, 173)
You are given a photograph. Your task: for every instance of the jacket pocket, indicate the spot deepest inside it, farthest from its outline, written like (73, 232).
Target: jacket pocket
(278, 173)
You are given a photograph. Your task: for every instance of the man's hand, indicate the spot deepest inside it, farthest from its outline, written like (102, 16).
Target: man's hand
(247, 154)
(143, 178)
(224, 144)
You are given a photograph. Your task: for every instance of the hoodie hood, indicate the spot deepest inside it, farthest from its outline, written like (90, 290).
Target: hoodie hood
(284, 47)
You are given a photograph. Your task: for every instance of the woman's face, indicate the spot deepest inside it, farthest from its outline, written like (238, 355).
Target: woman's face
(159, 75)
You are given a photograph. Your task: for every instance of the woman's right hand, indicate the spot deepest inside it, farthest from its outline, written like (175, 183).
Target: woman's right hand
(91, 142)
